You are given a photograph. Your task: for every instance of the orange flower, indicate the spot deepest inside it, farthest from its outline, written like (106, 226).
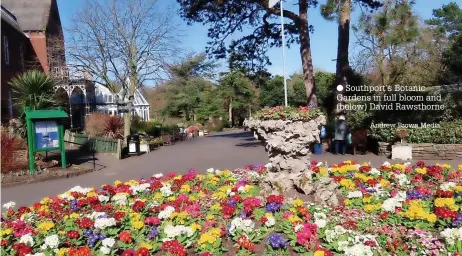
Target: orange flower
(81, 251)
(125, 236)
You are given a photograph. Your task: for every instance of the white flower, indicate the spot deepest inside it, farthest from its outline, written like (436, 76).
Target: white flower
(52, 241)
(27, 239)
(253, 174)
(95, 215)
(175, 231)
(358, 250)
(386, 163)
(403, 180)
(108, 242)
(9, 205)
(104, 250)
(28, 217)
(246, 225)
(298, 227)
(103, 223)
(66, 196)
(320, 219)
(210, 170)
(166, 190)
(452, 235)
(103, 198)
(120, 198)
(374, 171)
(270, 222)
(447, 185)
(165, 214)
(333, 234)
(355, 194)
(140, 188)
(217, 172)
(35, 254)
(158, 176)
(241, 189)
(79, 189)
(390, 204)
(342, 245)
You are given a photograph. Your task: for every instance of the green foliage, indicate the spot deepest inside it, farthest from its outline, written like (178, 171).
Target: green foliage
(289, 113)
(214, 125)
(210, 105)
(33, 89)
(447, 133)
(448, 19)
(272, 92)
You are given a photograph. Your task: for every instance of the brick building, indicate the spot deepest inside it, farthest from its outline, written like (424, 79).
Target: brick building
(32, 37)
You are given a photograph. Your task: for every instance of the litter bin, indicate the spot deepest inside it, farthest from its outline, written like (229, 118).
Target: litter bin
(133, 142)
(317, 149)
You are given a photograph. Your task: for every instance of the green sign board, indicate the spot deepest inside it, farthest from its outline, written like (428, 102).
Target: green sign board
(45, 132)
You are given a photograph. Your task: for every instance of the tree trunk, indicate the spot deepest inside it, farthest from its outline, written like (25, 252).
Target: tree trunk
(343, 66)
(230, 112)
(128, 115)
(305, 52)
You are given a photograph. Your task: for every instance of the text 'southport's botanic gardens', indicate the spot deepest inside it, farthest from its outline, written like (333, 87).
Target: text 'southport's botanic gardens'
(394, 209)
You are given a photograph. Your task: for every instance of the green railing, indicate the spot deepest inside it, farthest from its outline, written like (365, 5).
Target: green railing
(96, 144)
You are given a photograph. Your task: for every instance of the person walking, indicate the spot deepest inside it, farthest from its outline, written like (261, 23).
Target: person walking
(341, 133)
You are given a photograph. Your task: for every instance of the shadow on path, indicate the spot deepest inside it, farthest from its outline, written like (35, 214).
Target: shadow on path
(240, 134)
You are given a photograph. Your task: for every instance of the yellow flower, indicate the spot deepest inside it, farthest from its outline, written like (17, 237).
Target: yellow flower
(421, 170)
(63, 251)
(348, 184)
(367, 200)
(460, 167)
(268, 215)
(457, 189)
(201, 194)
(447, 202)
(431, 217)
(372, 207)
(347, 202)
(209, 237)
(46, 226)
(216, 207)
(185, 188)
(92, 194)
(117, 182)
(45, 201)
(323, 172)
(384, 183)
(294, 218)
(219, 195)
(146, 245)
(171, 198)
(179, 177)
(137, 224)
(6, 232)
(158, 196)
(210, 217)
(196, 227)
(247, 188)
(297, 202)
(192, 198)
(134, 216)
(318, 253)
(183, 215)
(74, 215)
(225, 173)
(446, 166)
(200, 176)
(62, 232)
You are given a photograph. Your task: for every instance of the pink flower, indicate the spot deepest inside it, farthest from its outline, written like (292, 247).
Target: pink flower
(152, 221)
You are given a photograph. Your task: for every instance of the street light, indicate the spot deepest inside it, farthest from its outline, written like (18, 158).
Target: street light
(271, 4)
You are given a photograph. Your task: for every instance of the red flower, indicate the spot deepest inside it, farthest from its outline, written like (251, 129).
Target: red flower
(420, 164)
(4, 243)
(445, 213)
(22, 249)
(73, 234)
(277, 199)
(173, 247)
(125, 237)
(206, 254)
(138, 206)
(384, 216)
(119, 215)
(442, 193)
(142, 252)
(365, 168)
(372, 182)
(263, 220)
(86, 223)
(152, 221)
(370, 243)
(81, 251)
(246, 243)
(228, 211)
(315, 169)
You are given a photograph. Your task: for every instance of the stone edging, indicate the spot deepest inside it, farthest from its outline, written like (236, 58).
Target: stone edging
(428, 151)
(41, 179)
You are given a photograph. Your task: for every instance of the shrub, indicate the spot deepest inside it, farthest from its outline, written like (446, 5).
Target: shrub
(153, 128)
(137, 125)
(113, 127)
(10, 144)
(447, 133)
(94, 124)
(214, 125)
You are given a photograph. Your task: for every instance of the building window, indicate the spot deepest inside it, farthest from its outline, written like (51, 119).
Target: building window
(6, 52)
(110, 99)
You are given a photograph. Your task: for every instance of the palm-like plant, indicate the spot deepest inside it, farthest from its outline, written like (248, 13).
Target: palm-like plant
(33, 89)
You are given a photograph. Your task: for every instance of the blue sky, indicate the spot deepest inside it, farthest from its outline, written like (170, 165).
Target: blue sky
(323, 40)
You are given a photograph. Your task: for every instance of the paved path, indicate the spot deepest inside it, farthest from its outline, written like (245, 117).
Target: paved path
(227, 150)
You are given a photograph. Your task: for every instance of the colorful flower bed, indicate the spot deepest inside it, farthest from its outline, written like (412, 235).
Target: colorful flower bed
(288, 113)
(396, 209)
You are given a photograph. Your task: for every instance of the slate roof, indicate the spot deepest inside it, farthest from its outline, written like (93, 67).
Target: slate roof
(9, 18)
(32, 15)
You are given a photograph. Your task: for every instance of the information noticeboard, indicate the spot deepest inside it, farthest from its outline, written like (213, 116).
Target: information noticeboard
(46, 134)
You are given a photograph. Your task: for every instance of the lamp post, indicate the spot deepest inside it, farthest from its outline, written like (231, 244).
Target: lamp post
(271, 4)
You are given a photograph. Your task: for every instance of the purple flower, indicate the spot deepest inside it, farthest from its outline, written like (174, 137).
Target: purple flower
(273, 207)
(458, 220)
(232, 203)
(154, 232)
(277, 241)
